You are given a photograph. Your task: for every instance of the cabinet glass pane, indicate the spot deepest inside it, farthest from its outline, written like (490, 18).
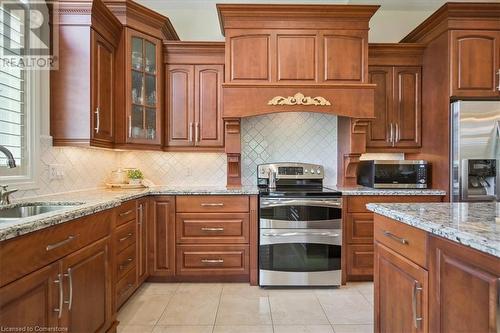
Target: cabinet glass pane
(137, 122)
(137, 54)
(151, 123)
(150, 58)
(137, 87)
(150, 90)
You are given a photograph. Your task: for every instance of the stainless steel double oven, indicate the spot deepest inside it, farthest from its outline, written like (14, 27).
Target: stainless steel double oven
(300, 232)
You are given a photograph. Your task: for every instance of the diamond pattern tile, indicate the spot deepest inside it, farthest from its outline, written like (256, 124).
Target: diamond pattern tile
(289, 137)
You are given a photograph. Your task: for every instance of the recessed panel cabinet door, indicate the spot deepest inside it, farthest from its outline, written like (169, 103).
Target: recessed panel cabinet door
(33, 300)
(102, 90)
(345, 56)
(475, 58)
(142, 239)
(407, 106)
(87, 288)
(379, 130)
(243, 68)
(208, 106)
(162, 236)
(464, 289)
(401, 295)
(180, 94)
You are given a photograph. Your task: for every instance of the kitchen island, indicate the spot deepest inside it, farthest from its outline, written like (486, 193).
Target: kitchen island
(437, 267)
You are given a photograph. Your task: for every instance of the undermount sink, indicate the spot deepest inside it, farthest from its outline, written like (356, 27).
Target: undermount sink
(19, 212)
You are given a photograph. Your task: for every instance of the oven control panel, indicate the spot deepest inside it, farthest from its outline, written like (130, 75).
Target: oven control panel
(291, 171)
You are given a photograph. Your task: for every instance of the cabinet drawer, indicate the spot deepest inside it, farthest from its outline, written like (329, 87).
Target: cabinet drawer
(360, 260)
(357, 204)
(359, 228)
(125, 236)
(126, 212)
(212, 203)
(212, 228)
(125, 261)
(212, 260)
(408, 241)
(27, 253)
(125, 287)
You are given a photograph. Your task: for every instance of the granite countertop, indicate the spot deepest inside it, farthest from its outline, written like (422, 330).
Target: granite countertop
(476, 225)
(360, 190)
(88, 202)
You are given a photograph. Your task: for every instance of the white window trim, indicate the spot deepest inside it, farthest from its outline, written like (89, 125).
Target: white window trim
(36, 103)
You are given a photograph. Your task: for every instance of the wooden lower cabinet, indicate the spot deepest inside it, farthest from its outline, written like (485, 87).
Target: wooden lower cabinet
(87, 288)
(31, 301)
(401, 293)
(464, 288)
(358, 226)
(161, 241)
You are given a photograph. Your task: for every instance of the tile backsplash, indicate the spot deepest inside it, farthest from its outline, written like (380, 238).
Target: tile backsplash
(289, 137)
(296, 137)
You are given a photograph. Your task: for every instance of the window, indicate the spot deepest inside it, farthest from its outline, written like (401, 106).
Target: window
(18, 97)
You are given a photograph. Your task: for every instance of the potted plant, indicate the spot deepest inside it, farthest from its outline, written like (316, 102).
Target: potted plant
(135, 176)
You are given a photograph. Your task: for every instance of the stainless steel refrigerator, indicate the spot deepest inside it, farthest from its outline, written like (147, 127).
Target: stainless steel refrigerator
(475, 151)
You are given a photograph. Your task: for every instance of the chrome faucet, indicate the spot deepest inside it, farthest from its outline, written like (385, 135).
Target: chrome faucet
(5, 194)
(10, 157)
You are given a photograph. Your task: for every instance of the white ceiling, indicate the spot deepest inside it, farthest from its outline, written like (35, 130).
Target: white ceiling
(197, 19)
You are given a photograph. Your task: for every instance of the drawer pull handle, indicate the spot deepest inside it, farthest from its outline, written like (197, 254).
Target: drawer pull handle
(416, 289)
(61, 296)
(396, 238)
(212, 261)
(130, 285)
(126, 213)
(61, 243)
(212, 229)
(125, 264)
(216, 204)
(126, 237)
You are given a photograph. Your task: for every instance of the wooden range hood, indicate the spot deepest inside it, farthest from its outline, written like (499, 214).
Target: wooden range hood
(283, 58)
(286, 58)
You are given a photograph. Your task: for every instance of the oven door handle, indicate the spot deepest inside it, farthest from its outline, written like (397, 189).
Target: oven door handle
(289, 234)
(337, 203)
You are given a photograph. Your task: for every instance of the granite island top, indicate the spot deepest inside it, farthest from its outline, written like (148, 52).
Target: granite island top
(476, 225)
(88, 202)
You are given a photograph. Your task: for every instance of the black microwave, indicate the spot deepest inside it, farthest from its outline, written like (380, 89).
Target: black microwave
(394, 174)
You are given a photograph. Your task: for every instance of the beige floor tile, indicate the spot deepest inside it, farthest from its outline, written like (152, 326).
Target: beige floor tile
(135, 328)
(296, 309)
(347, 308)
(158, 288)
(243, 289)
(243, 329)
(190, 309)
(207, 289)
(303, 329)
(353, 328)
(144, 309)
(183, 329)
(293, 291)
(243, 310)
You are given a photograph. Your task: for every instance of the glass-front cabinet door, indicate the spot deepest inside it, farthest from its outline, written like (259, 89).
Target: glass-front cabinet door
(144, 109)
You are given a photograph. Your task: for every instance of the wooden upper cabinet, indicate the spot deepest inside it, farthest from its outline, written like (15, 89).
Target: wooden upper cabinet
(102, 90)
(407, 106)
(249, 69)
(180, 99)
(208, 105)
(143, 82)
(475, 63)
(195, 73)
(82, 88)
(378, 134)
(345, 56)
